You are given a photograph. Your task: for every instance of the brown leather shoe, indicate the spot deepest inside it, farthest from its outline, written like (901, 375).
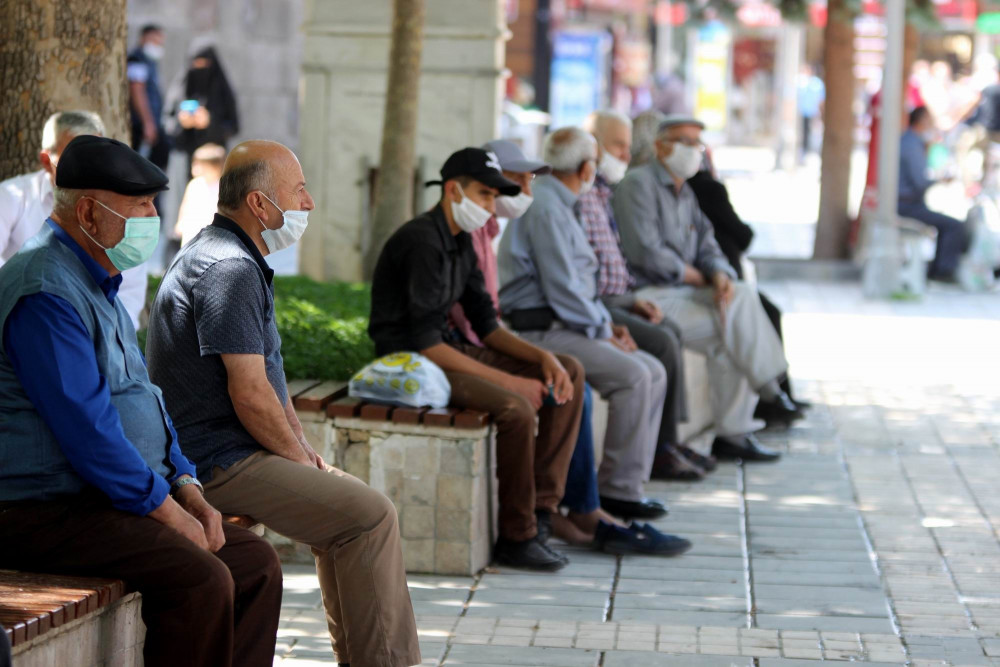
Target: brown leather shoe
(706, 463)
(671, 465)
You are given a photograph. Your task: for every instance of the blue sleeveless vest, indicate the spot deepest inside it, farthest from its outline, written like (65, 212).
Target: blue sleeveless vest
(32, 465)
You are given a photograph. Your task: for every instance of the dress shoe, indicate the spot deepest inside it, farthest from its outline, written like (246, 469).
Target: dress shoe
(638, 538)
(543, 519)
(706, 463)
(528, 554)
(647, 508)
(779, 410)
(671, 465)
(747, 448)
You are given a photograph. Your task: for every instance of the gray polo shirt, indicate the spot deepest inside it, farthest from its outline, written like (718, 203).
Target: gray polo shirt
(216, 298)
(545, 260)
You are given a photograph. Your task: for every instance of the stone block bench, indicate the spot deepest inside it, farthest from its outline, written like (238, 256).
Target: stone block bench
(437, 467)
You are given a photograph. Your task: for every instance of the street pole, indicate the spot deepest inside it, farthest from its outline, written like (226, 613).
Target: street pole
(881, 271)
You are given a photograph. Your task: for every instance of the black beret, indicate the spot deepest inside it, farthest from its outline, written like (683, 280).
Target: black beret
(100, 163)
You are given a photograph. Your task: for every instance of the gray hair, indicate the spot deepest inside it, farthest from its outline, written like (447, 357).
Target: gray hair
(240, 181)
(597, 122)
(568, 148)
(644, 131)
(65, 199)
(75, 123)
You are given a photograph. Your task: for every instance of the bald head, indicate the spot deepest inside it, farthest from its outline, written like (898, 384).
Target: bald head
(260, 181)
(254, 166)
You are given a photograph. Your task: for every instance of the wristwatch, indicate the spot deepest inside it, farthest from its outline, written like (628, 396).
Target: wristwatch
(184, 481)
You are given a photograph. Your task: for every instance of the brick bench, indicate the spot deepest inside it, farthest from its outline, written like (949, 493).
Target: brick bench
(435, 465)
(59, 620)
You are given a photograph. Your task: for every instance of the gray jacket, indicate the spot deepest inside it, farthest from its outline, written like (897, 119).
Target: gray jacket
(545, 260)
(662, 231)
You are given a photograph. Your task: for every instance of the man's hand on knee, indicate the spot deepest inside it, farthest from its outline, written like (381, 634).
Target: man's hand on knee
(315, 459)
(172, 515)
(557, 378)
(190, 498)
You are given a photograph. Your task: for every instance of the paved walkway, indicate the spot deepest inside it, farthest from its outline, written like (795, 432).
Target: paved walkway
(873, 540)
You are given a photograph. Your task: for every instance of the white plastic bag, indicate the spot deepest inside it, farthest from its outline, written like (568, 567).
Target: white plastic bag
(402, 378)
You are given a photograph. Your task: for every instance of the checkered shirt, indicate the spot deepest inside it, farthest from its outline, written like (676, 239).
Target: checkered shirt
(613, 276)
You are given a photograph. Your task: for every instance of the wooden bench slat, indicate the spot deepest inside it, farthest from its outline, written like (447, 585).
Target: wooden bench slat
(296, 387)
(471, 419)
(408, 415)
(31, 603)
(440, 416)
(317, 398)
(376, 411)
(344, 407)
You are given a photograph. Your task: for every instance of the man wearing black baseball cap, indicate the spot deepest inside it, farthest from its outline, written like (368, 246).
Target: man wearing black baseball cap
(426, 267)
(92, 479)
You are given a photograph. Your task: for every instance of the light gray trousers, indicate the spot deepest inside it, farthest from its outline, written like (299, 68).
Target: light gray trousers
(744, 352)
(635, 386)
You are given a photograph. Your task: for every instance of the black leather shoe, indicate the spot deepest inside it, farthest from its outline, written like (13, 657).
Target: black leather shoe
(780, 410)
(748, 449)
(544, 521)
(528, 554)
(647, 508)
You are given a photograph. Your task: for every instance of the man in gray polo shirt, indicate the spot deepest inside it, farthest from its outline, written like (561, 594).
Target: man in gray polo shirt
(214, 349)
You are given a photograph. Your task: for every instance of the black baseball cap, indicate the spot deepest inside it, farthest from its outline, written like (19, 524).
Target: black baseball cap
(480, 165)
(99, 163)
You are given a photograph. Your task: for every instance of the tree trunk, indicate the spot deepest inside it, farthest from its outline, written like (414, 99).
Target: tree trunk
(394, 187)
(58, 55)
(833, 226)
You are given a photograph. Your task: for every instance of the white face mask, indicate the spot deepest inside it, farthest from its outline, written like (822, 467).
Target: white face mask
(929, 136)
(513, 207)
(153, 51)
(468, 215)
(611, 168)
(295, 223)
(683, 162)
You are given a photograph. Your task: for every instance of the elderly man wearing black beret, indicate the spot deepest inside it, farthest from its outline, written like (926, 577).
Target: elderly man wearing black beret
(92, 480)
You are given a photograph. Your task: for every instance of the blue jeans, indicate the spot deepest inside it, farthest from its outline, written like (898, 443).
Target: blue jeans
(581, 482)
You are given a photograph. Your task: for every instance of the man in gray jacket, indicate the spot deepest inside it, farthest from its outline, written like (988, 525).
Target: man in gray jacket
(548, 293)
(678, 265)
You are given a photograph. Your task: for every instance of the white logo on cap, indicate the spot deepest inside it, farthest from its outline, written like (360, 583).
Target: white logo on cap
(492, 160)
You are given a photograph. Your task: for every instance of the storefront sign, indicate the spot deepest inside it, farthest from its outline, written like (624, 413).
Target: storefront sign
(579, 75)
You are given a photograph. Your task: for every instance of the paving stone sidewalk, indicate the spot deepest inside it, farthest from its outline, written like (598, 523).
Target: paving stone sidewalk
(873, 540)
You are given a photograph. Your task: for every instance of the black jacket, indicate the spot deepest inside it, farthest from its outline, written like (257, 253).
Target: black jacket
(734, 235)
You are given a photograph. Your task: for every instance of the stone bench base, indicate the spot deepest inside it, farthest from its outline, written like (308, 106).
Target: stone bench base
(439, 479)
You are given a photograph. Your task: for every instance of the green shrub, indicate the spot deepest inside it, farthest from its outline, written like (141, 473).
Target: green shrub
(323, 326)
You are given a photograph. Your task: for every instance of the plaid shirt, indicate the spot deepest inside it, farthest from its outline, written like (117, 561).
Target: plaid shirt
(613, 276)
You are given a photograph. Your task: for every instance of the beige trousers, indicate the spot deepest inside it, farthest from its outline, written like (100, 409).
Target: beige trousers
(744, 352)
(354, 535)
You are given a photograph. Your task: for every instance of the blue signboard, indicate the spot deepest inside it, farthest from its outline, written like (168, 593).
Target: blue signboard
(579, 75)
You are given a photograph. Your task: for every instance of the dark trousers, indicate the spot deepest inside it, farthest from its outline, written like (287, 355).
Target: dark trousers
(531, 471)
(952, 237)
(203, 609)
(581, 494)
(664, 343)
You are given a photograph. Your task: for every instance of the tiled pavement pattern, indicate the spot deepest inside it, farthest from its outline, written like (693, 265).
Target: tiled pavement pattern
(874, 539)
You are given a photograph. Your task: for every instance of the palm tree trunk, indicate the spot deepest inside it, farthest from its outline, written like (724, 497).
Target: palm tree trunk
(58, 55)
(833, 226)
(394, 187)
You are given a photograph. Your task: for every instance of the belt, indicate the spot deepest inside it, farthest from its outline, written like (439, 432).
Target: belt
(531, 319)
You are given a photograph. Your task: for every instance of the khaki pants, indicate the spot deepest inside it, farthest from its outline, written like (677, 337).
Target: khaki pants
(635, 386)
(744, 353)
(354, 535)
(531, 471)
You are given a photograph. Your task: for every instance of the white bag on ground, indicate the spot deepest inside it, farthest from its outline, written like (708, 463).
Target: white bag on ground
(402, 378)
